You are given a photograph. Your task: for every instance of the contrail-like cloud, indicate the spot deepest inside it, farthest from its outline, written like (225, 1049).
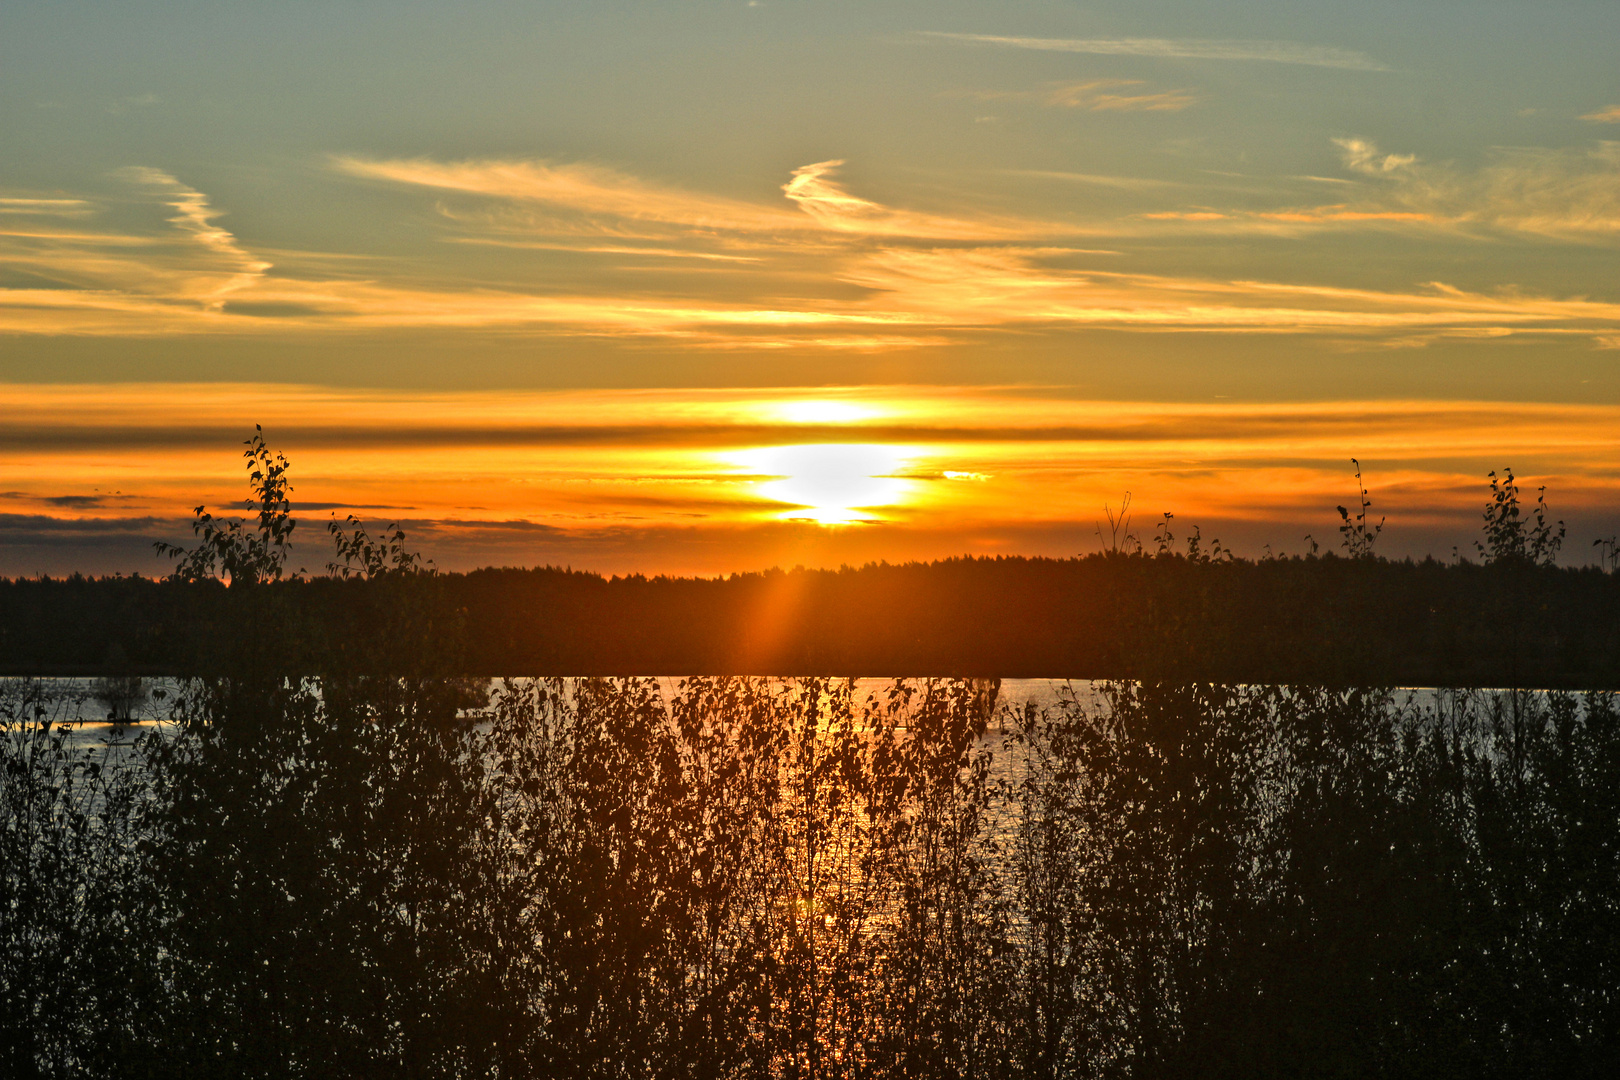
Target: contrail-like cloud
(1099, 95)
(195, 216)
(1276, 52)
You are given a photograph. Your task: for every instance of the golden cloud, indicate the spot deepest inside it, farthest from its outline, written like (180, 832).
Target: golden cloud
(572, 463)
(1568, 195)
(832, 270)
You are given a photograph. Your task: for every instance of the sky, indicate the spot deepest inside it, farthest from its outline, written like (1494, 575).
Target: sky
(710, 287)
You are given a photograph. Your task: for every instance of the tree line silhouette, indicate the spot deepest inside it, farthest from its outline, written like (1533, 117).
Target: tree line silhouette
(1319, 619)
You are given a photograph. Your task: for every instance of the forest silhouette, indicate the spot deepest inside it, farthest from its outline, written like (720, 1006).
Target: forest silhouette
(1180, 610)
(1328, 620)
(348, 853)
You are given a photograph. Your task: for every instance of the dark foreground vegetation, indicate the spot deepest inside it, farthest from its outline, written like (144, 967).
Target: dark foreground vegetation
(356, 861)
(354, 876)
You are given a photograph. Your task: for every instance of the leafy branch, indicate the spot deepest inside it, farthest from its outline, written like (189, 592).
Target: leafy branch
(228, 549)
(1512, 537)
(364, 557)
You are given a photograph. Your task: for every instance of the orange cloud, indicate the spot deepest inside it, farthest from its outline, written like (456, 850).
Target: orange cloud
(1341, 212)
(829, 204)
(590, 190)
(837, 271)
(914, 292)
(997, 286)
(548, 470)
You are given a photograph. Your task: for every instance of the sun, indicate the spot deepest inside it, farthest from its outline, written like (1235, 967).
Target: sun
(829, 483)
(816, 411)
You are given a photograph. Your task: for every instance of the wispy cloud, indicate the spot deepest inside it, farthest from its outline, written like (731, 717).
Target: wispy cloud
(999, 287)
(828, 203)
(1099, 95)
(18, 530)
(1607, 115)
(1572, 193)
(1278, 52)
(604, 249)
(1361, 156)
(87, 502)
(127, 278)
(826, 269)
(1122, 183)
(187, 418)
(1116, 95)
(1569, 195)
(605, 201)
(589, 190)
(1336, 213)
(46, 207)
(194, 217)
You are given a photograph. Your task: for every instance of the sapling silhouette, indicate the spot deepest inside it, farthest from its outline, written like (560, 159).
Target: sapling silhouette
(1520, 549)
(227, 548)
(1163, 538)
(368, 559)
(1357, 538)
(1120, 539)
(1509, 536)
(1216, 552)
(1608, 553)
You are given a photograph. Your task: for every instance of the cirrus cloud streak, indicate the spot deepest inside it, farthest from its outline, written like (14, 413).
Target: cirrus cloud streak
(1276, 52)
(822, 268)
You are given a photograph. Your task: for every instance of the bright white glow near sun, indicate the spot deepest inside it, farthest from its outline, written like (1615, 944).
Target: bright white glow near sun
(829, 483)
(823, 412)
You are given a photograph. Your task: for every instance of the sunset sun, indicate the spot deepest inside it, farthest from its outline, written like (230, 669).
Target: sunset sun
(829, 483)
